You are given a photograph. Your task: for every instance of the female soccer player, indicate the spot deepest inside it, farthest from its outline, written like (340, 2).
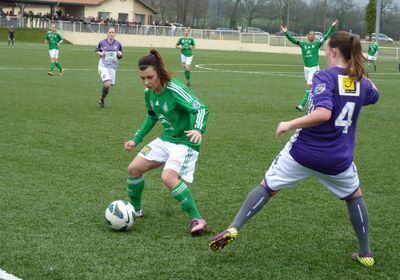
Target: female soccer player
(323, 145)
(310, 53)
(54, 39)
(372, 54)
(109, 50)
(186, 45)
(183, 117)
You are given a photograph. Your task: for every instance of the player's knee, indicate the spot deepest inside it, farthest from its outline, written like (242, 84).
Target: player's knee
(134, 171)
(169, 178)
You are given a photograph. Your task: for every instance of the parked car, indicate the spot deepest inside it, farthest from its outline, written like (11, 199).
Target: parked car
(382, 38)
(225, 31)
(253, 30)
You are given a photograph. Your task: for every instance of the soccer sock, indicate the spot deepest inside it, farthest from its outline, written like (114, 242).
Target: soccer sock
(58, 66)
(52, 66)
(104, 92)
(135, 188)
(358, 214)
(375, 67)
(368, 66)
(254, 202)
(182, 193)
(187, 75)
(305, 98)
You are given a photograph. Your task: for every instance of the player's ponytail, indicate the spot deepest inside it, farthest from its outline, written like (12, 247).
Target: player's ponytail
(155, 60)
(351, 50)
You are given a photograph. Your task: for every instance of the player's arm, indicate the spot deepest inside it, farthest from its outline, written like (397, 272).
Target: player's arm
(179, 44)
(330, 31)
(148, 123)
(192, 44)
(316, 117)
(284, 30)
(99, 51)
(198, 115)
(119, 52)
(60, 39)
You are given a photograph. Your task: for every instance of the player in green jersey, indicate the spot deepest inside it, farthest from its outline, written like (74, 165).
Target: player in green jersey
(184, 118)
(54, 39)
(309, 51)
(372, 54)
(186, 45)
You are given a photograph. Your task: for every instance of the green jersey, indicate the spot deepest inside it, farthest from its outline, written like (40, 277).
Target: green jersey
(310, 50)
(372, 49)
(53, 39)
(178, 110)
(186, 42)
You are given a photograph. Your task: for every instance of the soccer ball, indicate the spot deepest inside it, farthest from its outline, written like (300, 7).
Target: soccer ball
(120, 215)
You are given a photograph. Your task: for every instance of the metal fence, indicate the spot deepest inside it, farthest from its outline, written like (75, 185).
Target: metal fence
(385, 50)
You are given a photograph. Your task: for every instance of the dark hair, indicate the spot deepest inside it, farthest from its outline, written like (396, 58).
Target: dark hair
(351, 50)
(155, 60)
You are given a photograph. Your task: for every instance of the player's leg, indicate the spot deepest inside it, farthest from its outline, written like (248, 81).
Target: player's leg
(346, 186)
(52, 62)
(106, 78)
(369, 64)
(57, 64)
(136, 182)
(284, 172)
(187, 70)
(179, 168)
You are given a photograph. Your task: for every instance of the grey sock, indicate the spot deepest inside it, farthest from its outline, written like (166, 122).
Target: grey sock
(358, 214)
(254, 202)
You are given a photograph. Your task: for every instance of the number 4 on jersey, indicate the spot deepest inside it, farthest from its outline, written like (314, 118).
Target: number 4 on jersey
(344, 119)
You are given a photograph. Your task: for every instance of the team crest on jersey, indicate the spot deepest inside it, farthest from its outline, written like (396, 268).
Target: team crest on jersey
(157, 103)
(145, 150)
(196, 104)
(348, 86)
(320, 88)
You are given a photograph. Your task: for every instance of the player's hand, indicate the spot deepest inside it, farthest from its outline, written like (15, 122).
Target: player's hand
(335, 22)
(129, 145)
(282, 128)
(283, 28)
(58, 44)
(195, 136)
(119, 54)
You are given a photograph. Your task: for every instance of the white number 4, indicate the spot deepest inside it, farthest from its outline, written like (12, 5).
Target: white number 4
(344, 119)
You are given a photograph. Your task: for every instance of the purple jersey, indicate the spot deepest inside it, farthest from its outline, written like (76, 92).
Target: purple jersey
(329, 147)
(109, 59)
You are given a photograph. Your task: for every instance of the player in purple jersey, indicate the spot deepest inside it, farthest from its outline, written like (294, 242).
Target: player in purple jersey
(323, 145)
(109, 50)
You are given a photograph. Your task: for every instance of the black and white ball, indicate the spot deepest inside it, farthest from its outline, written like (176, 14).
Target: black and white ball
(120, 215)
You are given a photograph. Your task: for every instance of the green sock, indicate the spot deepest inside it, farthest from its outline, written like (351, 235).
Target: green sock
(305, 98)
(368, 66)
(375, 67)
(182, 193)
(187, 75)
(52, 66)
(58, 66)
(135, 188)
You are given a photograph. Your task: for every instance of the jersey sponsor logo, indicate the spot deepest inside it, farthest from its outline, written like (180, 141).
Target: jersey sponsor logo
(165, 107)
(320, 88)
(196, 104)
(348, 86)
(145, 150)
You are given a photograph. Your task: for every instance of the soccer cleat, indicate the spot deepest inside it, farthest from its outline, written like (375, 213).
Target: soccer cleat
(188, 83)
(50, 73)
(101, 102)
(367, 260)
(139, 213)
(197, 226)
(299, 108)
(62, 72)
(222, 239)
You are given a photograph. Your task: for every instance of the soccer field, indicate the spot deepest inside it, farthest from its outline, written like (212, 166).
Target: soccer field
(62, 162)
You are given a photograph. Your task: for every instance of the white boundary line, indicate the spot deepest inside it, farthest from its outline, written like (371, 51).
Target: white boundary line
(6, 276)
